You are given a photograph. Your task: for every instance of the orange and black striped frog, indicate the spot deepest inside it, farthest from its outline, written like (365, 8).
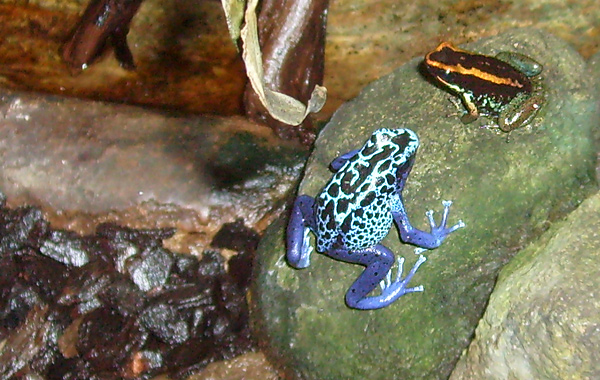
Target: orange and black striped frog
(506, 87)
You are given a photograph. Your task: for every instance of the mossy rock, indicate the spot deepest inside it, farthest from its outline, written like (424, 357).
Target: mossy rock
(507, 192)
(542, 318)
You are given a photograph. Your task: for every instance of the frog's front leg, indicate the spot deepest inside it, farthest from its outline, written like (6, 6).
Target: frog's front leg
(339, 161)
(302, 221)
(378, 261)
(472, 111)
(428, 240)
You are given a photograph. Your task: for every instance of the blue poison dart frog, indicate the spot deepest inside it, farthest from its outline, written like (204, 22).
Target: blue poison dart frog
(506, 87)
(354, 212)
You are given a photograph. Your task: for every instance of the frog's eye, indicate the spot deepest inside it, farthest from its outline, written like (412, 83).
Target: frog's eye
(382, 139)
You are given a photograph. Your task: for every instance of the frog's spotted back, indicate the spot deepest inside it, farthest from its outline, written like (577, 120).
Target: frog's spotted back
(354, 207)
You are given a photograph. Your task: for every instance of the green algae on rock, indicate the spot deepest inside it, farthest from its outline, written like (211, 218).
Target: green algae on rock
(506, 192)
(542, 319)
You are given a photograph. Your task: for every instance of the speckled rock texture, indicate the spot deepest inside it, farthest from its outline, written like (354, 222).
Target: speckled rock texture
(543, 319)
(594, 71)
(507, 192)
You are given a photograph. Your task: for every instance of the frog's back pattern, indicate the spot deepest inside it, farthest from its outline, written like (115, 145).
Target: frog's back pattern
(489, 82)
(354, 209)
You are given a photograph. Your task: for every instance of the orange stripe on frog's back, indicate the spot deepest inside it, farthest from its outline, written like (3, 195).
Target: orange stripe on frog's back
(480, 74)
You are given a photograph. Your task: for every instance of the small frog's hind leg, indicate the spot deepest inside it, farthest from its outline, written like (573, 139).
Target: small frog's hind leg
(302, 221)
(378, 261)
(520, 111)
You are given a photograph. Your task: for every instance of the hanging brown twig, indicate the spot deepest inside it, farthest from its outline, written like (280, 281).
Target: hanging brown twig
(292, 40)
(104, 22)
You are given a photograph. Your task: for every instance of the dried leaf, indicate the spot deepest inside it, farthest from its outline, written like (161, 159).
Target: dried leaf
(234, 14)
(281, 107)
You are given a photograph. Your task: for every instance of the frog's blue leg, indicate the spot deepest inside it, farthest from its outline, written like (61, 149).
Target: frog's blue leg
(302, 221)
(339, 161)
(378, 261)
(429, 240)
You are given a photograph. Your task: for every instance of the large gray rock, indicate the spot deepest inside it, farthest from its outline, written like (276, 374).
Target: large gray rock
(543, 319)
(508, 193)
(72, 154)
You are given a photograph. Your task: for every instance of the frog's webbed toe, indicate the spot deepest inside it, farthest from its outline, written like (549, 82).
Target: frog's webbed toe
(424, 239)
(306, 251)
(387, 284)
(379, 262)
(298, 230)
(441, 229)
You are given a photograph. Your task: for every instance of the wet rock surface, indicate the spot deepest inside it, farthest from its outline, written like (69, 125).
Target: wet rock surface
(249, 366)
(131, 309)
(507, 193)
(186, 61)
(128, 164)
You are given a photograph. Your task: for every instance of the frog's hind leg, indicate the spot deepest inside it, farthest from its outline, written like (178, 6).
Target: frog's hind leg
(378, 261)
(302, 221)
(520, 111)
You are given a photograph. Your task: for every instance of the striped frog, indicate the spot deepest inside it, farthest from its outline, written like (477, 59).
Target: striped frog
(506, 87)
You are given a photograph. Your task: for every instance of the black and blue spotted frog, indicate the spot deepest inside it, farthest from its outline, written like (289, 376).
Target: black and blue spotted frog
(354, 212)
